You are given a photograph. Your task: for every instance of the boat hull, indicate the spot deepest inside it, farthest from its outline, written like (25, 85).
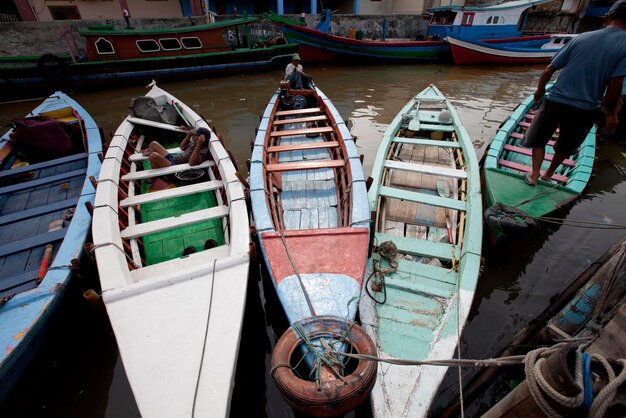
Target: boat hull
(316, 46)
(506, 163)
(423, 270)
(25, 315)
(177, 314)
(465, 52)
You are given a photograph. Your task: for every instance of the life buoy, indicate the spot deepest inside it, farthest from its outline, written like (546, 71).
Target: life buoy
(335, 396)
(50, 65)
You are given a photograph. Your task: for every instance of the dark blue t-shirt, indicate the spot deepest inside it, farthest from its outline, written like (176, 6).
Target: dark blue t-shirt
(587, 63)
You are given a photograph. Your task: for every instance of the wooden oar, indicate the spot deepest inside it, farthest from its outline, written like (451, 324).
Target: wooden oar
(47, 254)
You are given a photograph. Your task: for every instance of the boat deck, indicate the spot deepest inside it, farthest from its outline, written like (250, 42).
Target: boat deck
(309, 197)
(171, 243)
(37, 203)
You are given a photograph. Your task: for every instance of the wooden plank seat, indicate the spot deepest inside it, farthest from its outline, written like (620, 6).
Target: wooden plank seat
(139, 230)
(425, 198)
(526, 169)
(426, 169)
(529, 152)
(303, 147)
(146, 122)
(304, 165)
(298, 132)
(426, 142)
(300, 120)
(173, 169)
(10, 283)
(530, 116)
(42, 181)
(172, 193)
(437, 127)
(520, 136)
(523, 124)
(32, 242)
(140, 157)
(45, 164)
(425, 248)
(298, 111)
(37, 211)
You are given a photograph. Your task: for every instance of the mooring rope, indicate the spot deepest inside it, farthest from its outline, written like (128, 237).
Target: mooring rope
(206, 333)
(388, 251)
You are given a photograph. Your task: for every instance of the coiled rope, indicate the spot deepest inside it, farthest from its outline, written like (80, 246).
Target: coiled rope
(389, 252)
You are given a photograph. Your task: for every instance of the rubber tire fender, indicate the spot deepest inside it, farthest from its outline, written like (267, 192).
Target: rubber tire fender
(335, 397)
(50, 65)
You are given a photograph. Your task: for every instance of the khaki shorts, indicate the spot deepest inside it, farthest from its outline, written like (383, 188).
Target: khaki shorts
(574, 125)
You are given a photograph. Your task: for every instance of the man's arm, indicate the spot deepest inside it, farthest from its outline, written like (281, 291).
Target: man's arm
(610, 103)
(194, 158)
(543, 80)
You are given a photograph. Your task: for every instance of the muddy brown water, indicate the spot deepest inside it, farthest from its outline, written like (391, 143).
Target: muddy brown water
(78, 373)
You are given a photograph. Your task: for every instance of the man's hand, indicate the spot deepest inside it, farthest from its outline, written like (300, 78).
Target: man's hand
(611, 123)
(539, 93)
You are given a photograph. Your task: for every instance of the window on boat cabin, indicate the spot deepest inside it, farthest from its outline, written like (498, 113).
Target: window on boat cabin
(104, 47)
(148, 45)
(64, 12)
(468, 19)
(169, 44)
(489, 19)
(191, 43)
(443, 18)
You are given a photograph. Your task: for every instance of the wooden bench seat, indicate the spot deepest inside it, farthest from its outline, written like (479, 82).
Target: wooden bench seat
(304, 165)
(426, 142)
(298, 111)
(428, 199)
(172, 193)
(529, 152)
(139, 230)
(520, 136)
(146, 122)
(303, 147)
(300, 120)
(173, 169)
(295, 132)
(432, 170)
(41, 181)
(45, 164)
(526, 169)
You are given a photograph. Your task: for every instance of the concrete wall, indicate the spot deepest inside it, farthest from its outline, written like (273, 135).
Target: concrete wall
(108, 9)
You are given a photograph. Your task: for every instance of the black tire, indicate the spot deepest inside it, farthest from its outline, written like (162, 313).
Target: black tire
(50, 65)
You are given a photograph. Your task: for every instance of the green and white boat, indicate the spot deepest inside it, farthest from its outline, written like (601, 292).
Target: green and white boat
(424, 265)
(511, 205)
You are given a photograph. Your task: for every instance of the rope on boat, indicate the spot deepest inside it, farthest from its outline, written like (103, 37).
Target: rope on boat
(389, 252)
(293, 265)
(130, 260)
(206, 333)
(537, 384)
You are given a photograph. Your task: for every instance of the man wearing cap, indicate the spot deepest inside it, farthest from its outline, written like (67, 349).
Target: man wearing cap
(295, 74)
(592, 67)
(194, 150)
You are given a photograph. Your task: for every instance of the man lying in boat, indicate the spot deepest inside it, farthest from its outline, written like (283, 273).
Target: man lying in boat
(194, 150)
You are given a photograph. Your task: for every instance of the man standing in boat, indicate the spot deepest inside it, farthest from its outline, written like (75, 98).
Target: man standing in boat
(591, 64)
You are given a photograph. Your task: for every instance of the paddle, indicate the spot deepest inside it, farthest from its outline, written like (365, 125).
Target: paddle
(47, 254)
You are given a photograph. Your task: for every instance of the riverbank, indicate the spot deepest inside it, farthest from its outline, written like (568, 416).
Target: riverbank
(38, 38)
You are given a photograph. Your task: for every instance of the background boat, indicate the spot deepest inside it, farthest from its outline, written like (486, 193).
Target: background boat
(310, 209)
(173, 264)
(511, 205)
(45, 160)
(425, 261)
(523, 50)
(123, 55)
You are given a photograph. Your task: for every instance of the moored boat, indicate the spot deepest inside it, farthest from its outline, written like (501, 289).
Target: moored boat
(511, 205)
(45, 163)
(423, 268)
(309, 203)
(523, 50)
(127, 56)
(172, 248)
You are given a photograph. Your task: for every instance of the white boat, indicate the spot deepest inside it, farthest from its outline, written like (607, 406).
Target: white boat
(177, 318)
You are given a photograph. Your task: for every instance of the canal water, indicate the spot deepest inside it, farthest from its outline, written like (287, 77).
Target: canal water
(78, 373)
